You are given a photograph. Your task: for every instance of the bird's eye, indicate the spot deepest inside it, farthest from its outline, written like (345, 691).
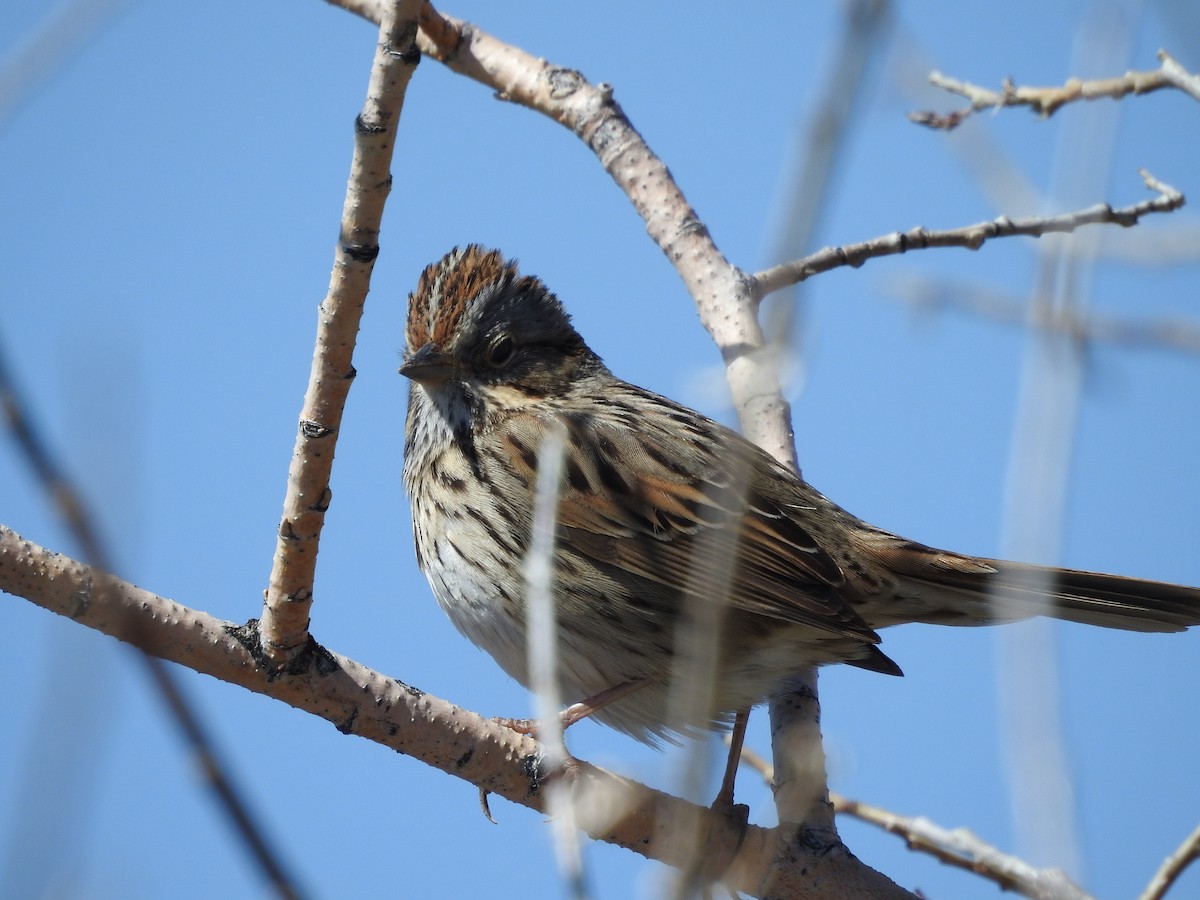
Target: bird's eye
(500, 350)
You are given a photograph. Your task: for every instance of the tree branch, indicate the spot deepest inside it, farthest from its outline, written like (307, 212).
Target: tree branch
(1173, 866)
(289, 593)
(1045, 101)
(958, 847)
(362, 702)
(972, 237)
(961, 848)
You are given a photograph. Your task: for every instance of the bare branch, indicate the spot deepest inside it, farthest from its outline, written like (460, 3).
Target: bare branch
(289, 593)
(972, 237)
(1045, 101)
(1173, 866)
(368, 704)
(959, 847)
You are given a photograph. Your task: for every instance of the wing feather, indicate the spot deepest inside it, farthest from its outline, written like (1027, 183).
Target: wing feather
(706, 515)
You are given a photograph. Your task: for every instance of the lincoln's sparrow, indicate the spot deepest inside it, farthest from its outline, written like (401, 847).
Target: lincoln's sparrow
(661, 510)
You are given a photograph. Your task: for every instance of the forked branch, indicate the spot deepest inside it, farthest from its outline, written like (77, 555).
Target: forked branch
(1045, 101)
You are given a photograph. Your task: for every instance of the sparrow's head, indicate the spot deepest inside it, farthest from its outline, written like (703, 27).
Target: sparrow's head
(475, 322)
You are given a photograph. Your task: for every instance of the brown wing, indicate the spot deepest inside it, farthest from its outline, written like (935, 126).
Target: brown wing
(692, 507)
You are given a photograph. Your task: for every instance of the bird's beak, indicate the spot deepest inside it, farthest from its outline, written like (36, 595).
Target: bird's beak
(428, 366)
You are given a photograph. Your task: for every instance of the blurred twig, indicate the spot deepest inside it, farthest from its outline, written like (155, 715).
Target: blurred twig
(924, 295)
(1045, 101)
(542, 654)
(820, 139)
(69, 503)
(51, 47)
(1033, 738)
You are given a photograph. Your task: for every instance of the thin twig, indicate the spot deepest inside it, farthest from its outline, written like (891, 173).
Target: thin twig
(1045, 101)
(289, 593)
(1173, 866)
(972, 237)
(68, 501)
(959, 847)
(979, 151)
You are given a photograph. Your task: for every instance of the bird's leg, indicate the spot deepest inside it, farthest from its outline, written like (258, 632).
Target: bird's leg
(577, 711)
(737, 736)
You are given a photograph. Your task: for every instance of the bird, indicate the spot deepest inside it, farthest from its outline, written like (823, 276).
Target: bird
(665, 519)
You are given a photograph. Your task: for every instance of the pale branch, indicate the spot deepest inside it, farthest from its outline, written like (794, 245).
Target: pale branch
(982, 155)
(365, 703)
(1045, 101)
(1177, 335)
(957, 847)
(960, 848)
(724, 296)
(289, 594)
(972, 237)
(1173, 866)
(71, 506)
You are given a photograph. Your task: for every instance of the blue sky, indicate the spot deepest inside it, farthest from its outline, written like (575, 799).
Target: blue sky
(169, 203)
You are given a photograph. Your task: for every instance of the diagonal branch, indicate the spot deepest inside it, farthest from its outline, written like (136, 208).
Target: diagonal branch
(365, 703)
(289, 594)
(1173, 866)
(1045, 101)
(956, 847)
(70, 505)
(972, 237)
(961, 848)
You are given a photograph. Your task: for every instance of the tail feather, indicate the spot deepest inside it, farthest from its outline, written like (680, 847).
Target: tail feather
(963, 590)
